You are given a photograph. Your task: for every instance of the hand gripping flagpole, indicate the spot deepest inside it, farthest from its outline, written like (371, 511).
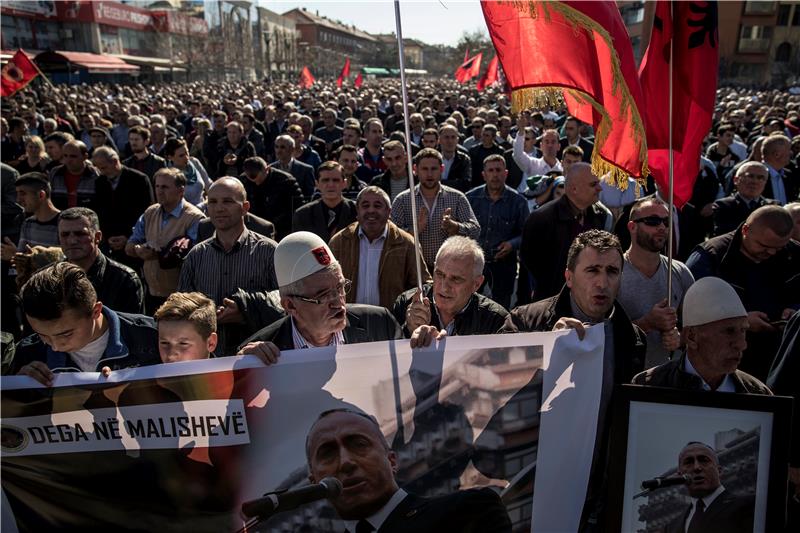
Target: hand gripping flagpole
(404, 91)
(670, 243)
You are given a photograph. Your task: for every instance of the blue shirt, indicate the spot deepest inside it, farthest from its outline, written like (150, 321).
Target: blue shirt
(138, 236)
(501, 220)
(778, 190)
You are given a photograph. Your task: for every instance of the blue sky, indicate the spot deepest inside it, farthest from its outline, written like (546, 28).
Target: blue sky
(433, 22)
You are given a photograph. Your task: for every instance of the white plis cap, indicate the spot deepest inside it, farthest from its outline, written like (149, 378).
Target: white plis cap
(711, 299)
(300, 254)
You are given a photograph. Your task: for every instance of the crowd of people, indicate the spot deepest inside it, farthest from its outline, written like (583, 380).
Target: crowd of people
(254, 218)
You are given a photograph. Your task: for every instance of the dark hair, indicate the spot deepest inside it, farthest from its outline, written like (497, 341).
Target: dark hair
(724, 128)
(494, 157)
(345, 148)
(57, 288)
(141, 131)
(174, 173)
(775, 217)
(253, 165)
(192, 307)
(330, 165)
(172, 145)
(346, 410)
(74, 213)
(36, 181)
(428, 153)
(638, 204)
(430, 131)
(16, 122)
(572, 150)
(59, 137)
(600, 240)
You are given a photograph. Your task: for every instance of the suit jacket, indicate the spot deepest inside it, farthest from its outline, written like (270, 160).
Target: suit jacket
(728, 513)
(365, 323)
(397, 270)
(586, 145)
(731, 211)
(460, 175)
(313, 217)
(205, 229)
(465, 511)
(791, 184)
(303, 174)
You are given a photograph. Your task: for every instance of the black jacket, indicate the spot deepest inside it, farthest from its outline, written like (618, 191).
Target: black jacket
(728, 513)
(630, 342)
(672, 375)
(731, 211)
(313, 217)
(481, 316)
(546, 238)
(477, 154)
(243, 152)
(275, 199)
(465, 511)
(117, 286)
(460, 175)
(384, 181)
(365, 323)
(133, 341)
(147, 166)
(585, 144)
(134, 194)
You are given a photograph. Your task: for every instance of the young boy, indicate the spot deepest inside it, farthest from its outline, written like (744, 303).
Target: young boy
(187, 327)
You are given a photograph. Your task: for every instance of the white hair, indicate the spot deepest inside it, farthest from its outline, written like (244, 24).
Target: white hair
(461, 246)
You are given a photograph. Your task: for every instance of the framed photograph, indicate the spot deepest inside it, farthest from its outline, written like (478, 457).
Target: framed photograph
(715, 461)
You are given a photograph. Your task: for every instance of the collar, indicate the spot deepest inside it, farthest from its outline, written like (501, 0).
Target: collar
(708, 500)
(115, 349)
(727, 384)
(773, 172)
(300, 343)
(377, 520)
(747, 202)
(451, 326)
(382, 236)
(98, 268)
(507, 192)
(240, 241)
(175, 212)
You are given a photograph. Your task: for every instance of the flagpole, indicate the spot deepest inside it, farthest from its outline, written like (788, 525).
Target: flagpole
(39, 70)
(411, 191)
(670, 231)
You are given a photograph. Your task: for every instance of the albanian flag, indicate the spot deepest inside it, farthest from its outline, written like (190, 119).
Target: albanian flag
(344, 74)
(306, 78)
(692, 28)
(469, 69)
(490, 76)
(597, 80)
(17, 73)
(359, 80)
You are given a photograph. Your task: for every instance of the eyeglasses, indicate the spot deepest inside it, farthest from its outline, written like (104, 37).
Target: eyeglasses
(328, 296)
(653, 221)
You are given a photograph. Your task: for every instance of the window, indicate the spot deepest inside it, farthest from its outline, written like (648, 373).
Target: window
(796, 17)
(759, 8)
(783, 53)
(783, 15)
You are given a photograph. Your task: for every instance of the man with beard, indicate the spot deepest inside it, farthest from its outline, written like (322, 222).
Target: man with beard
(644, 280)
(143, 159)
(441, 210)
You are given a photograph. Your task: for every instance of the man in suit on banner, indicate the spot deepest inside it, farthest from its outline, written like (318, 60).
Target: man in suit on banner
(350, 446)
(713, 509)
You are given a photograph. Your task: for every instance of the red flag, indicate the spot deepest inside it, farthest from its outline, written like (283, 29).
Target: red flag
(693, 28)
(344, 74)
(17, 73)
(598, 83)
(469, 69)
(359, 80)
(490, 76)
(306, 78)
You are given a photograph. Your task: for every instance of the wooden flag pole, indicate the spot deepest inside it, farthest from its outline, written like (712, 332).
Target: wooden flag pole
(670, 244)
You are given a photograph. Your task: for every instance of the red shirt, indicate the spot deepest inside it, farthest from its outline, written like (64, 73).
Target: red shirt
(71, 182)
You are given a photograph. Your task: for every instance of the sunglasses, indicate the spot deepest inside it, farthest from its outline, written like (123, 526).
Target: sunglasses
(653, 221)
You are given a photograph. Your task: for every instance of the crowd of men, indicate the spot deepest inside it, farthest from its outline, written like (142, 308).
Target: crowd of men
(283, 219)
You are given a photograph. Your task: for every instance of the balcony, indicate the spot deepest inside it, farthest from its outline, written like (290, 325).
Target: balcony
(759, 8)
(754, 46)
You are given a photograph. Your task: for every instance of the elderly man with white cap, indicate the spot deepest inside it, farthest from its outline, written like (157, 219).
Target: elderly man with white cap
(312, 291)
(714, 328)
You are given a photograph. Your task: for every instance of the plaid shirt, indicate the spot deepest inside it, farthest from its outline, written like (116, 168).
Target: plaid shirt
(432, 237)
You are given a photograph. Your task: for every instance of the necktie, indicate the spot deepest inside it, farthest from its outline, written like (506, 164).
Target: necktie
(364, 527)
(696, 524)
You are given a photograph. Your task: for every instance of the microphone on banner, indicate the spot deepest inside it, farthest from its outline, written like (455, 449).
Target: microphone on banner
(273, 502)
(661, 482)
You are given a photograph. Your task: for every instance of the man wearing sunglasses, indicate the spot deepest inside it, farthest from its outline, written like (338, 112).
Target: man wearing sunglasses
(643, 291)
(750, 180)
(312, 291)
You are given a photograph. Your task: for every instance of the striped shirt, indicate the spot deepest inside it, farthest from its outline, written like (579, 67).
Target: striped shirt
(300, 343)
(433, 236)
(35, 233)
(249, 265)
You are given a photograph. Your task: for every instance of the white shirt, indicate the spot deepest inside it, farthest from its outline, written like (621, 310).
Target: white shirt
(707, 500)
(87, 357)
(369, 262)
(376, 520)
(448, 164)
(301, 343)
(726, 385)
(530, 166)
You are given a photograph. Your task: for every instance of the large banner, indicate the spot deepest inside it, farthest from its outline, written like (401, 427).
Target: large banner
(180, 447)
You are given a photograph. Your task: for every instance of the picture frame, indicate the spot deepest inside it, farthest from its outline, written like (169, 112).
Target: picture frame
(747, 434)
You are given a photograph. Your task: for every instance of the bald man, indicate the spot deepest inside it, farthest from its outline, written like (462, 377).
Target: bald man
(234, 260)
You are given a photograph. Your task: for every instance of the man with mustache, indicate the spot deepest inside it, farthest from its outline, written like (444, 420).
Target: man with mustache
(713, 508)
(350, 446)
